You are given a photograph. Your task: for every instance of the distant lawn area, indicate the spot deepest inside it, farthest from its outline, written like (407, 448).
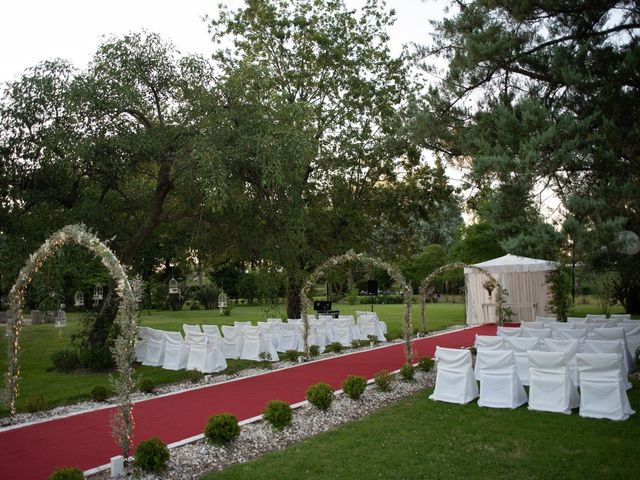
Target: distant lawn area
(39, 342)
(420, 438)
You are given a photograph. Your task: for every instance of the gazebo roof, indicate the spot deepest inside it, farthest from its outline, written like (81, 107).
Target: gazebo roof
(514, 263)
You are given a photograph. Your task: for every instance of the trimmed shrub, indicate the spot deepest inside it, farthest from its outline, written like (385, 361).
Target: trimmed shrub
(35, 403)
(355, 344)
(97, 359)
(354, 386)
(333, 347)
(65, 360)
(426, 364)
(320, 395)
(69, 473)
(99, 393)
(384, 380)
(278, 413)
(222, 429)
(292, 355)
(194, 376)
(407, 371)
(151, 456)
(147, 385)
(314, 350)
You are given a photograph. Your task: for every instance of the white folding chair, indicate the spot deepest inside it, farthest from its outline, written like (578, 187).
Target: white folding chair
(500, 386)
(609, 346)
(318, 333)
(370, 325)
(242, 324)
(576, 319)
(532, 324)
(539, 333)
(613, 333)
(154, 355)
(188, 329)
(269, 332)
(592, 318)
(291, 337)
(454, 379)
(274, 320)
(602, 393)
(355, 330)
(569, 348)
(550, 385)
(176, 352)
(251, 344)
(620, 316)
(204, 356)
(587, 327)
(546, 320)
(211, 330)
(141, 343)
(505, 332)
(489, 342)
(520, 347)
(343, 331)
(232, 341)
(555, 326)
(632, 336)
(578, 334)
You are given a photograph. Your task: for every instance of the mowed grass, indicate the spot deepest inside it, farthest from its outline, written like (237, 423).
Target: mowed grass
(39, 342)
(418, 438)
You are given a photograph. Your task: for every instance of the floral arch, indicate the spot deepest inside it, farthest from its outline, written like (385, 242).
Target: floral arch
(368, 261)
(127, 317)
(424, 286)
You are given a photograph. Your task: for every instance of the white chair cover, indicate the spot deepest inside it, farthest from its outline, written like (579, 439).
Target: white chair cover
(242, 324)
(295, 320)
(546, 320)
(532, 324)
(370, 325)
(215, 353)
(251, 345)
(141, 343)
(539, 333)
(620, 316)
(555, 326)
(520, 347)
(587, 327)
(551, 388)
(188, 329)
(318, 333)
(609, 346)
(591, 318)
(176, 353)
(489, 342)
(454, 380)
(578, 334)
(355, 330)
(274, 320)
(613, 333)
(500, 386)
(509, 332)
(205, 354)
(211, 330)
(569, 348)
(270, 332)
(291, 337)
(602, 393)
(576, 319)
(232, 341)
(154, 355)
(343, 330)
(632, 335)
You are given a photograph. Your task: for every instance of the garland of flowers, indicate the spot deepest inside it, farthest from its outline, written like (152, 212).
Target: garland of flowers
(367, 261)
(126, 319)
(453, 266)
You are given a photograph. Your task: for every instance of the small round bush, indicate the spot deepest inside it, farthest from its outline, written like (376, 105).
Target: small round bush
(354, 386)
(334, 347)
(292, 355)
(384, 381)
(147, 385)
(278, 413)
(151, 456)
(35, 403)
(355, 343)
(407, 371)
(426, 364)
(99, 393)
(69, 473)
(195, 376)
(320, 395)
(222, 429)
(65, 360)
(314, 350)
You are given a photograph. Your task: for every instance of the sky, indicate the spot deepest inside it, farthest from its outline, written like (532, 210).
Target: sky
(36, 30)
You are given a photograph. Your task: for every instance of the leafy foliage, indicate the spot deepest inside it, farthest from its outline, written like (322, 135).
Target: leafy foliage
(222, 429)
(99, 393)
(278, 413)
(68, 473)
(426, 364)
(152, 456)
(407, 372)
(65, 360)
(354, 386)
(559, 284)
(320, 396)
(384, 380)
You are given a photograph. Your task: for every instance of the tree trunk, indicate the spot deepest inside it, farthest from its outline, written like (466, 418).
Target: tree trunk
(294, 285)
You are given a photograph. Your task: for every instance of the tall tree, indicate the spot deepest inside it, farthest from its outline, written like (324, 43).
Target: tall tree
(543, 95)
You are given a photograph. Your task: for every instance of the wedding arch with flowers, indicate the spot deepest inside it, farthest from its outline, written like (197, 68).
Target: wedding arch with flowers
(126, 319)
(489, 285)
(367, 261)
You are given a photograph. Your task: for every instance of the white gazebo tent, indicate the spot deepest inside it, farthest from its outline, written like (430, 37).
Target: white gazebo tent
(525, 280)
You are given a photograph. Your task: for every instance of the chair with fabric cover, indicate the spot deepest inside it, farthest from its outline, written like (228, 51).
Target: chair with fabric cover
(555, 326)
(620, 316)
(318, 334)
(602, 392)
(455, 382)
(154, 355)
(539, 333)
(267, 342)
(274, 320)
(632, 335)
(251, 344)
(343, 331)
(609, 346)
(141, 343)
(532, 324)
(576, 319)
(176, 352)
(188, 329)
(487, 342)
(587, 327)
(270, 332)
(212, 330)
(550, 386)
(569, 348)
(291, 337)
(520, 347)
(242, 324)
(546, 320)
(613, 333)
(370, 325)
(592, 318)
(500, 386)
(355, 330)
(205, 353)
(578, 334)
(295, 320)
(232, 341)
(509, 332)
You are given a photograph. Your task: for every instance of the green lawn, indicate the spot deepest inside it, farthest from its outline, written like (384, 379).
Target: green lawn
(38, 342)
(419, 438)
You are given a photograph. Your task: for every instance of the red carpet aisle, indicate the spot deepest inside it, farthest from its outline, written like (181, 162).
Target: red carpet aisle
(84, 440)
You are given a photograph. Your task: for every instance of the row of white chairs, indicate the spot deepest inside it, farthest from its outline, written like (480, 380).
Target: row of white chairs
(570, 347)
(602, 392)
(590, 318)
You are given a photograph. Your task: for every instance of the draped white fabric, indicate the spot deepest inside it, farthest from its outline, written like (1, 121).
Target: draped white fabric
(454, 379)
(176, 351)
(550, 385)
(500, 386)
